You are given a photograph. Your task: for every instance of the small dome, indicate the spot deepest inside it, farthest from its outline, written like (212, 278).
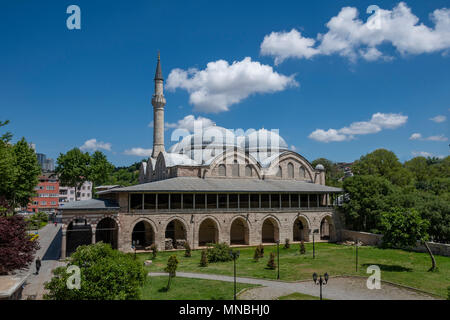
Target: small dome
(264, 140)
(320, 167)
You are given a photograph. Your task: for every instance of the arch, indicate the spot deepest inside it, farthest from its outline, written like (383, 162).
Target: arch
(176, 230)
(300, 229)
(107, 231)
(208, 232)
(239, 231)
(231, 154)
(290, 170)
(327, 229)
(79, 232)
(248, 171)
(143, 234)
(270, 232)
(302, 172)
(222, 170)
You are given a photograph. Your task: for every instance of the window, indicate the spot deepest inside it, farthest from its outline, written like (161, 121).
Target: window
(290, 168)
(279, 172)
(223, 201)
(72, 191)
(248, 171)
(254, 200)
(43, 203)
(235, 169)
(302, 172)
(265, 200)
(233, 200)
(212, 201)
(50, 187)
(149, 201)
(275, 201)
(82, 194)
(222, 170)
(163, 201)
(313, 200)
(243, 201)
(294, 200)
(53, 202)
(84, 188)
(136, 201)
(188, 201)
(285, 200)
(200, 201)
(175, 201)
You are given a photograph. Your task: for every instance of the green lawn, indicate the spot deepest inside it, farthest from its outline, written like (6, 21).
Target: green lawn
(398, 266)
(298, 296)
(189, 289)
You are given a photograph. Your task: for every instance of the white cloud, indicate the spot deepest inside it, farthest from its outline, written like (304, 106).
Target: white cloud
(93, 145)
(221, 85)
(415, 136)
(189, 121)
(421, 154)
(283, 45)
(418, 136)
(167, 125)
(378, 122)
(141, 152)
(439, 119)
(293, 148)
(353, 38)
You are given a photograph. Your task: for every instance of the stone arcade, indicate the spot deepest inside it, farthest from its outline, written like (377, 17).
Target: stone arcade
(212, 186)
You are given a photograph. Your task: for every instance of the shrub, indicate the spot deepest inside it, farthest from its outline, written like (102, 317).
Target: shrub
(261, 251)
(187, 247)
(204, 259)
(154, 248)
(106, 274)
(302, 248)
(171, 268)
(271, 263)
(257, 254)
(219, 252)
(287, 244)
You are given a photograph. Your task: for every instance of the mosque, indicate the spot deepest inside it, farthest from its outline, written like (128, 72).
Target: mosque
(214, 185)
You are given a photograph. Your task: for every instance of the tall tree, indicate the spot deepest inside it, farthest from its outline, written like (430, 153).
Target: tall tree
(404, 228)
(100, 168)
(73, 168)
(383, 163)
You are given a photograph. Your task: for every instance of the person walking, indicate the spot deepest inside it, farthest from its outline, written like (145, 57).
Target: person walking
(38, 265)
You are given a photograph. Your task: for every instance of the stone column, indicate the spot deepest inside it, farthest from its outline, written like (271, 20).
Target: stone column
(63, 244)
(93, 229)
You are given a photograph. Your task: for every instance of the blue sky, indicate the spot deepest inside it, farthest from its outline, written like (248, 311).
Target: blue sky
(61, 87)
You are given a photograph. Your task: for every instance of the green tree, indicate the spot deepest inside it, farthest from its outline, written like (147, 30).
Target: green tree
(73, 168)
(100, 168)
(383, 163)
(204, 259)
(404, 228)
(332, 171)
(187, 247)
(171, 268)
(257, 254)
(106, 274)
(271, 264)
(364, 201)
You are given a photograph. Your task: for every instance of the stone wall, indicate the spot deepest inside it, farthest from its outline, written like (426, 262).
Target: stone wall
(372, 239)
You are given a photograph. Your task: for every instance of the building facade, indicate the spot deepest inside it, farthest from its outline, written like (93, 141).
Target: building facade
(47, 194)
(213, 185)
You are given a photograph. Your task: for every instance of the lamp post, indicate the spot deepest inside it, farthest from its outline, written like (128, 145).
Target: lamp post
(314, 245)
(278, 258)
(321, 281)
(356, 245)
(234, 255)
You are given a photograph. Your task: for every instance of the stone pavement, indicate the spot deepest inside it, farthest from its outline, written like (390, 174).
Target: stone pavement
(50, 242)
(338, 288)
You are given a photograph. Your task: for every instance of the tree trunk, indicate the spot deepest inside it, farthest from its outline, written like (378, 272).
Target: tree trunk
(168, 283)
(433, 261)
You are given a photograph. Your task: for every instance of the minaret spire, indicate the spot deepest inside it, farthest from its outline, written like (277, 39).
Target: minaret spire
(158, 102)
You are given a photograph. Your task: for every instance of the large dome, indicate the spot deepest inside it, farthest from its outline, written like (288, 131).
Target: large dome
(264, 140)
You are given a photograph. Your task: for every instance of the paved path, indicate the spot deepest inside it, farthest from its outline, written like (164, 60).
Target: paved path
(338, 288)
(50, 242)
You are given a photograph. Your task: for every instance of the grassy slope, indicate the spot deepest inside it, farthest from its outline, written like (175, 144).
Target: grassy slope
(189, 289)
(298, 296)
(398, 266)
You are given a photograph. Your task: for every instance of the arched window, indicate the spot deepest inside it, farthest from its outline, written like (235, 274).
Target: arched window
(222, 170)
(248, 171)
(290, 168)
(235, 169)
(302, 172)
(279, 172)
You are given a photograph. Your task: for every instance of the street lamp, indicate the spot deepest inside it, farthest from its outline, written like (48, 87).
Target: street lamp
(234, 255)
(356, 246)
(278, 258)
(321, 281)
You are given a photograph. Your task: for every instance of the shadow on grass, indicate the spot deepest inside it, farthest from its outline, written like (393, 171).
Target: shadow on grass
(163, 289)
(389, 267)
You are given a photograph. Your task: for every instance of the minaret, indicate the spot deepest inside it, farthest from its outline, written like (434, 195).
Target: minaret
(158, 102)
